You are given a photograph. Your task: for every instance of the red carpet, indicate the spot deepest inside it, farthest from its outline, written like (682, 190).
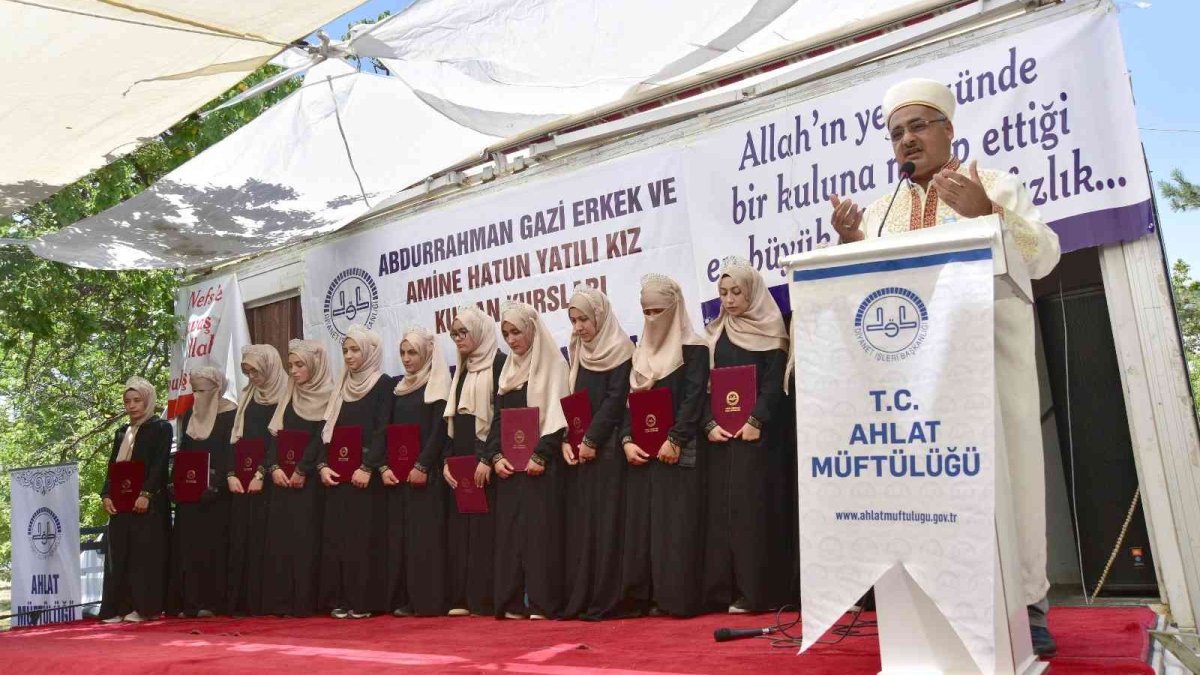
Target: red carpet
(1094, 641)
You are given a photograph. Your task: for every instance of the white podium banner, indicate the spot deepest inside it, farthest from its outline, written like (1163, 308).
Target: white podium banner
(895, 421)
(45, 544)
(213, 333)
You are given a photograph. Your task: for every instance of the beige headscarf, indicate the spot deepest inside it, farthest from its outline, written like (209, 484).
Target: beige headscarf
(541, 370)
(609, 348)
(208, 385)
(355, 384)
(265, 359)
(476, 373)
(659, 350)
(143, 387)
(310, 399)
(760, 328)
(433, 374)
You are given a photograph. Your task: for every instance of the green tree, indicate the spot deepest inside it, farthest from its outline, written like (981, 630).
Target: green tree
(1182, 194)
(1187, 307)
(70, 337)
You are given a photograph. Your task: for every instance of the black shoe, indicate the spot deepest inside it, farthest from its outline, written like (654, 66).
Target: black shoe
(1043, 642)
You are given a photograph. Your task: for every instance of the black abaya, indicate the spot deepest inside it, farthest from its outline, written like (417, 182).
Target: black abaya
(418, 568)
(470, 537)
(595, 501)
(136, 544)
(200, 541)
(354, 545)
(664, 506)
(529, 524)
(743, 565)
(289, 585)
(248, 523)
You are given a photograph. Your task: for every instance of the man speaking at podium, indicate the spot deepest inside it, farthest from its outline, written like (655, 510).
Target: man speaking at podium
(920, 116)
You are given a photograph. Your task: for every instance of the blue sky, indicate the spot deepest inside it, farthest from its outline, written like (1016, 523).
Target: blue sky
(1160, 51)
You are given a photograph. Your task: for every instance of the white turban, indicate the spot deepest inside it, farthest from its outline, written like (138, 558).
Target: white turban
(919, 91)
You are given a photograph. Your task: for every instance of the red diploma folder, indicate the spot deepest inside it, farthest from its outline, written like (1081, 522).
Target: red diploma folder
(652, 414)
(403, 447)
(734, 393)
(190, 476)
(345, 452)
(577, 408)
(248, 453)
(125, 484)
(469, 498)
(289, 449)
(520, 431)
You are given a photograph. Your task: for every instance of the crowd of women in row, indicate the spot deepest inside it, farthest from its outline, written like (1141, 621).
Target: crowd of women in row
(605, 529)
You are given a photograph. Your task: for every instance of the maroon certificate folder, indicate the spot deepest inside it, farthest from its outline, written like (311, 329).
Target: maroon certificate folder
(520, 431)
(125, 484)
(652, 415)
(248, 453)
(734, 393)
(469, 498)
(403, 446)
(190, 476)
(290, 445)
(345, 452)
(577, 408)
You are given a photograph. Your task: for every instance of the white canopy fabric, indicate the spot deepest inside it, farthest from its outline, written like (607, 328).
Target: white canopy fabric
(284, 176)
(466, 74)
(504, 66)
(86, 81)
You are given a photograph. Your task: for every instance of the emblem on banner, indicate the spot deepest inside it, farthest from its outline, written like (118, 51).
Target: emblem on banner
(352, 298)
(519, 437)
(651, 423)
(44, 532)
(733, 398)
(891, 323)
(576, 423)
(344, 452)
(291, 455)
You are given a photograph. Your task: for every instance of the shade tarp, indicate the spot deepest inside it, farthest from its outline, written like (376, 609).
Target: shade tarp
(286, 175)
(465, 74)
(86, 81)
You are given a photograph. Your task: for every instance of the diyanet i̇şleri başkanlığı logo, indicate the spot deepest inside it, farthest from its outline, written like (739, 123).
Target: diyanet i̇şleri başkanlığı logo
(352, 298)
(891, 323)
(44, 532)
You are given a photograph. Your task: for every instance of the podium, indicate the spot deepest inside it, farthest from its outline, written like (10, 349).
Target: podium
(914, 636)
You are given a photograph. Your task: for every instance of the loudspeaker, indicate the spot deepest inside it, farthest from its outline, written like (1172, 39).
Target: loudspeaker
(1089, 408)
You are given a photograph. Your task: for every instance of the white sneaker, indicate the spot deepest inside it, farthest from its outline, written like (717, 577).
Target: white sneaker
(513, 615)
(114, 619)
(204, 614)
(134, 617)
(339, 614)
(359, 615)
(459, 611)
(537, 617)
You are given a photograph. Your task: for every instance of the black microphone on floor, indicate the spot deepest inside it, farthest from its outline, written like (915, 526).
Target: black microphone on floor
(727, 634)
(906, 170)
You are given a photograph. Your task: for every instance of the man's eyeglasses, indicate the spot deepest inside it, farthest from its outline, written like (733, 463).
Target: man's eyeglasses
(917, 127)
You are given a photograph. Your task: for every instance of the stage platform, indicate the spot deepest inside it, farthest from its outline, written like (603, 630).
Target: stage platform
(1097, 641)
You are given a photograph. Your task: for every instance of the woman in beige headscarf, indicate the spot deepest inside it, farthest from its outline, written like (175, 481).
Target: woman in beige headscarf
(201, 529)
(293, 452)
(266, 388)
(136, 542)
(601, 358)
(663, 500)
(352, 542)
(529, 498)
(469, 419)
(418, 581)
(746, 567)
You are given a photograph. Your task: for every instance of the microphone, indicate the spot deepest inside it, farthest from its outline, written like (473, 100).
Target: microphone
(906, 171)
(727, 634)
